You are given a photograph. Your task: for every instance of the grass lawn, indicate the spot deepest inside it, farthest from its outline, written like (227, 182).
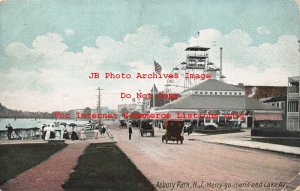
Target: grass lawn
(105, 167)
(293, 143)
(217, 131)
(17, 158)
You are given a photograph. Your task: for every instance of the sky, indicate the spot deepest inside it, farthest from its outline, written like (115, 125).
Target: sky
(49, 48)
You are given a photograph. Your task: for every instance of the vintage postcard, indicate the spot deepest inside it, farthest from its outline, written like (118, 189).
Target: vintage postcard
(137, 95)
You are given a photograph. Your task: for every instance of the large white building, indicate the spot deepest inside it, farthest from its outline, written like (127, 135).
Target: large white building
(293, 100)
(213, 96)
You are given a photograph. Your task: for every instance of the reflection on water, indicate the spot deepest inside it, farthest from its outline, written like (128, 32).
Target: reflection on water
(28, 123)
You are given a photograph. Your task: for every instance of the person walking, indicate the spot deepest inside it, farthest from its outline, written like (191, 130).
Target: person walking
(103, 131)
(130, 132)
(9, 131)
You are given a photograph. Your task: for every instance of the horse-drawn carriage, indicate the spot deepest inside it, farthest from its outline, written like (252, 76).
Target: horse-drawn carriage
(123, 124)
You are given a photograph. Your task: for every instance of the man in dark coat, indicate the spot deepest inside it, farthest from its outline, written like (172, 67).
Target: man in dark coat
(9, 131)
(130, 132)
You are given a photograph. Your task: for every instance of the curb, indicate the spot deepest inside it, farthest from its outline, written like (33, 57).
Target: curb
(254, 148)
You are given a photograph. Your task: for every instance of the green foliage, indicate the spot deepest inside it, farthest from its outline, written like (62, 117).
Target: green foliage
(273, 132)
(124, 110)
(217, 131)
(105, 167)
(9, 113)
(87, 110)
(16, 158)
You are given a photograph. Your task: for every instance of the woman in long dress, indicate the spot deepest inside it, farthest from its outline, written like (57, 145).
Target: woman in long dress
(66, 133)
(48, 131)
(96, 132)
(74, 136)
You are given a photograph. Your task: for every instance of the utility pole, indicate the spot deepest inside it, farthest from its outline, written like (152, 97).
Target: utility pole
(99, 102)
(221, 64)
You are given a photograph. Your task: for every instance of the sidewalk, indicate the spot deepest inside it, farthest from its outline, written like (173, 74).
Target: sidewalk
(243, 140)
(50, 174)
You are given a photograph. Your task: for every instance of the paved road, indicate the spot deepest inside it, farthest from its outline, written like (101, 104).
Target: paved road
(196, 165)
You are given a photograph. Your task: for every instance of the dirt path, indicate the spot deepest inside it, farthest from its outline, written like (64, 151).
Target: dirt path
(215, 167)
(50, 174)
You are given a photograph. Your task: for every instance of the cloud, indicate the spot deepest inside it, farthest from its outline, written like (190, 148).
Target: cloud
(46, 76)
(262, 30)
(244, 62)
(69, 32)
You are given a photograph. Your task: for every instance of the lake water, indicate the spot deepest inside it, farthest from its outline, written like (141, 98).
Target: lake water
(28, 123)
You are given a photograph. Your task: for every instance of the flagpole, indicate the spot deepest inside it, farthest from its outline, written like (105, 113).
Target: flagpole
(153, 85)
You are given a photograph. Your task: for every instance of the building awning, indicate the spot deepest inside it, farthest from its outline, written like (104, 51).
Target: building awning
(268, 117)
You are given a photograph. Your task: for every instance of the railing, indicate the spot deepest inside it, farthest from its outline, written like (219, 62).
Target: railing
(293, 95)
(293, 90)
(293, 114)
(197, 55)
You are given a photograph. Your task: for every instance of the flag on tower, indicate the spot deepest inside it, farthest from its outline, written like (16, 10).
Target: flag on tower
(157, 67)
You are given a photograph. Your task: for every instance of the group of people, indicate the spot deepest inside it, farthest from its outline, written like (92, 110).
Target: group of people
(99, 130)
(48, 132)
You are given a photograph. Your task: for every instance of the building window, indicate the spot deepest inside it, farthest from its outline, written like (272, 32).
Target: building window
(234, 93)
(225, 93)
(220, 93)
(240, 93)
(205, 93)
(216, 93)
(230, 93)
(210, 93)
(196, 92)
(201, 93)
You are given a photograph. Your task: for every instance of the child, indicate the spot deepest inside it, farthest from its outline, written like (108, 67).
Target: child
(82, 135)
(96, 132)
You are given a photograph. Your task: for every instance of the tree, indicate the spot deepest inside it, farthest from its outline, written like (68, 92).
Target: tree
(124, 110)
(87, 110)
